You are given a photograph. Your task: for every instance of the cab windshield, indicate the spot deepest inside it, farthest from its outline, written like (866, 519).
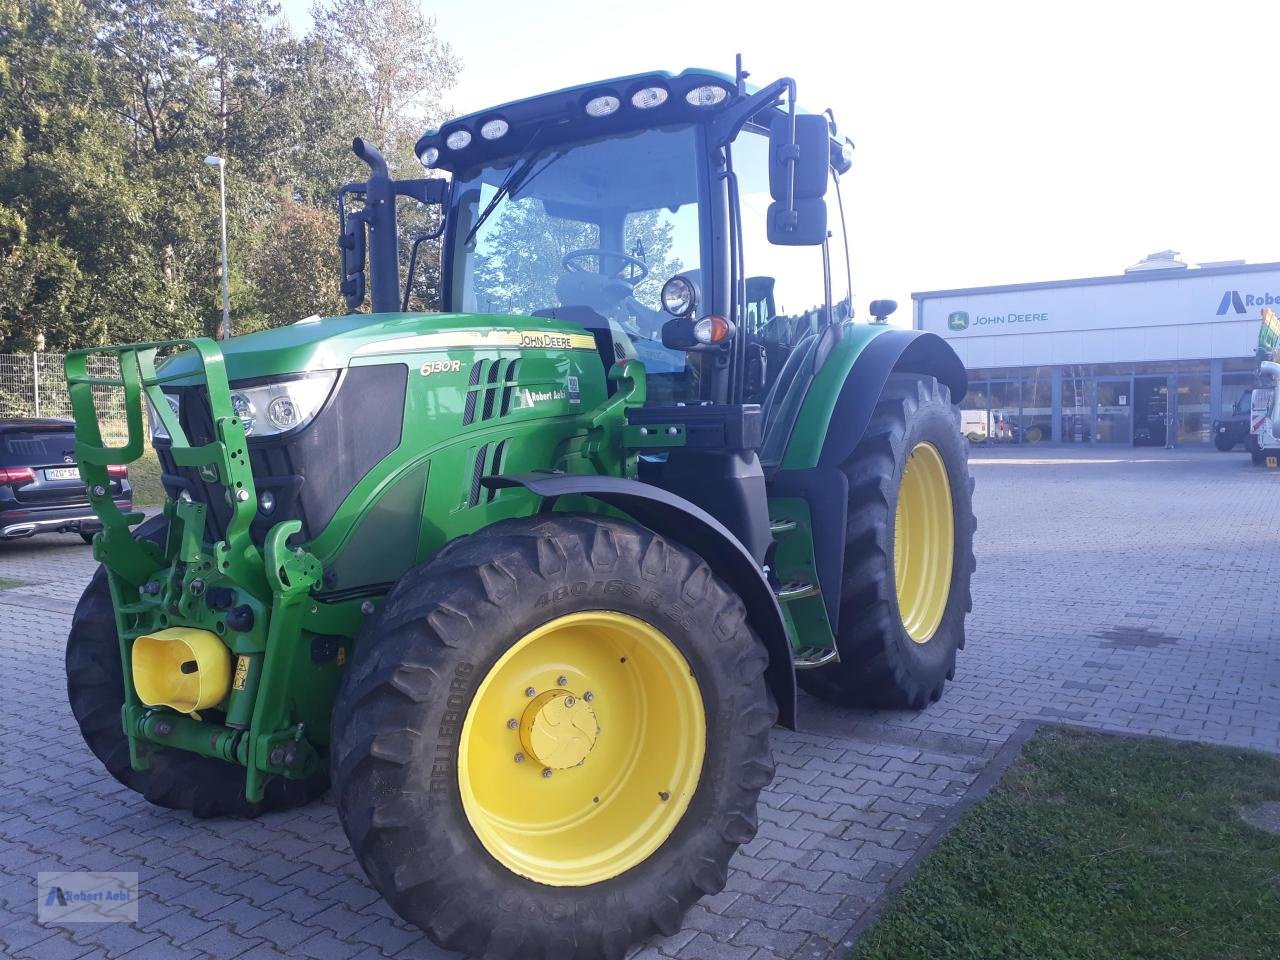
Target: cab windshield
(587, 233)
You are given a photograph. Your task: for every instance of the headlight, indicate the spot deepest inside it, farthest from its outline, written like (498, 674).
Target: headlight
(679, 297)
(276, 407)
(158, 430)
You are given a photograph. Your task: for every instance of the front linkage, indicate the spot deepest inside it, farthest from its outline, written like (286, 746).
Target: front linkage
(231, 613)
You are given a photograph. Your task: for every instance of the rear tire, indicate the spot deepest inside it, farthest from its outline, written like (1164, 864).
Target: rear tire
(176, 779)
(881, 662)
(410, 754)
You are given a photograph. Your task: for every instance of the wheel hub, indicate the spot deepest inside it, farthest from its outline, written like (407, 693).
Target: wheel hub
(582, 748)
(558, 729)
(923, 542)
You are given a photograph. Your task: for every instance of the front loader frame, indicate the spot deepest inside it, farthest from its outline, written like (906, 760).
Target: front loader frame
(255, 600)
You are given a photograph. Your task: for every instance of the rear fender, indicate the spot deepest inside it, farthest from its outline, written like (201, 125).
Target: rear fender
(681, 521)
(845, 390)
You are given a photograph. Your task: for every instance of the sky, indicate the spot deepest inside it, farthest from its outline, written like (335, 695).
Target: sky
(996, 142)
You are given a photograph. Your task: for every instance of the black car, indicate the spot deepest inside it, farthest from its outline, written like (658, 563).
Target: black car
(1234, 429)
(40, 486)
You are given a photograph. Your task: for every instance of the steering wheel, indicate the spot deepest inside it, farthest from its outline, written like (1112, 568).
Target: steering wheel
(572, 262)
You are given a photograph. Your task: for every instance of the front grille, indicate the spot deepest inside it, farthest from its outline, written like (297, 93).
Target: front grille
(489, 390)
(310, 471)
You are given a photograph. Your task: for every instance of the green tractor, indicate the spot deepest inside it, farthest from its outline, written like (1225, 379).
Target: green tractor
(529, 580)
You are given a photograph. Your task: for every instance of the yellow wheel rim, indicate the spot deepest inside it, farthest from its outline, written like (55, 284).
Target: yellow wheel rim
(923, 542)
(582, 749)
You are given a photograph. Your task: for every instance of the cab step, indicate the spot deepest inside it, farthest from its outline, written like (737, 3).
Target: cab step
(796, 590)
(781, 525)
(806, 658)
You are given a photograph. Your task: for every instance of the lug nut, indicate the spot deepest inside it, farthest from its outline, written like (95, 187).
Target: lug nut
(519, 758)
(546, 772)
(563, 681)
(529, 691)
(512, 724)
(570, 701)
(588, 696)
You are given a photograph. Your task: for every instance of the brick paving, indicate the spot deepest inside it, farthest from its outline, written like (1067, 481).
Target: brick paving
(1128, 591)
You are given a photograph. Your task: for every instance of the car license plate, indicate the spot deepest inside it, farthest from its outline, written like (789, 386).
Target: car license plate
(63, 473)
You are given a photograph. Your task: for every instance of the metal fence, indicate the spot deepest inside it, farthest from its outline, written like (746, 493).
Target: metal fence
(34, 385)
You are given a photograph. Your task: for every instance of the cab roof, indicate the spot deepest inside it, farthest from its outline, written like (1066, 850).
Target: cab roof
(562, 115)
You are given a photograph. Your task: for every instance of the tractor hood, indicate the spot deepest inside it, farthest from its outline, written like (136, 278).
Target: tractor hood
(330, 343)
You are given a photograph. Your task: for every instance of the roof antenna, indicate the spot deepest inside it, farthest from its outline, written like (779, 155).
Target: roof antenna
(740, 76)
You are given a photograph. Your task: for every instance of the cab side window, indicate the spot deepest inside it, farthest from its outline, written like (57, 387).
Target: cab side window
(786, 291)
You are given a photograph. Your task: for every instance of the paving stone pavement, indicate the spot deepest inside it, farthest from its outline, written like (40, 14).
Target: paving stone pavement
(1126, 591)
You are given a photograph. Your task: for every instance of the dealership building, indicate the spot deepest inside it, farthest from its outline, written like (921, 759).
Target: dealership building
(1152, 356)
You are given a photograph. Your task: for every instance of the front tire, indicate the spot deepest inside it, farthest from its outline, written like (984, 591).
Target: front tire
(175, 779)
(1224, 442)
(908, 554)
(552, 739)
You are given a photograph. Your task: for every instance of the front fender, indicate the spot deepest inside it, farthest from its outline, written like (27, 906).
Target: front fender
(839, 402)
(684, 522)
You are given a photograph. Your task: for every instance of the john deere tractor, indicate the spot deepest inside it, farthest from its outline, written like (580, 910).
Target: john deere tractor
(529, 579)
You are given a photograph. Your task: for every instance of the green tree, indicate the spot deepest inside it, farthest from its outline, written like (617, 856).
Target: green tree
(399, 58)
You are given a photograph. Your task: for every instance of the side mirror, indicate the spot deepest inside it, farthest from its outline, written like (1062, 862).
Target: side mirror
(880, 309)
(798, 180)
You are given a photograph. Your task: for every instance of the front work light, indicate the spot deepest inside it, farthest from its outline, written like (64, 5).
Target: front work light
(430, 156)
(648, 97)
(679, 298)
(494, 129)
(458, 140)
(707, 95)
(602, 106)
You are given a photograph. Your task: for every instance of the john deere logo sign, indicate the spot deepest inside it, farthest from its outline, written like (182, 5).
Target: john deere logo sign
(960, 319)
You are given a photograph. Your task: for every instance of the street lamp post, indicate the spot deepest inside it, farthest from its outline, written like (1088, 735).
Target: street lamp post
(221, 164)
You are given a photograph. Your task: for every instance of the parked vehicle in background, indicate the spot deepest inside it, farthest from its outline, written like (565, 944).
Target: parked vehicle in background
(1233, 430)
(1265, 419)
(1264, 412)
(973, 424)
(40, 486)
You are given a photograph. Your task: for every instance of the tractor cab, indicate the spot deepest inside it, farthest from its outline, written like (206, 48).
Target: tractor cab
(682, 221)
